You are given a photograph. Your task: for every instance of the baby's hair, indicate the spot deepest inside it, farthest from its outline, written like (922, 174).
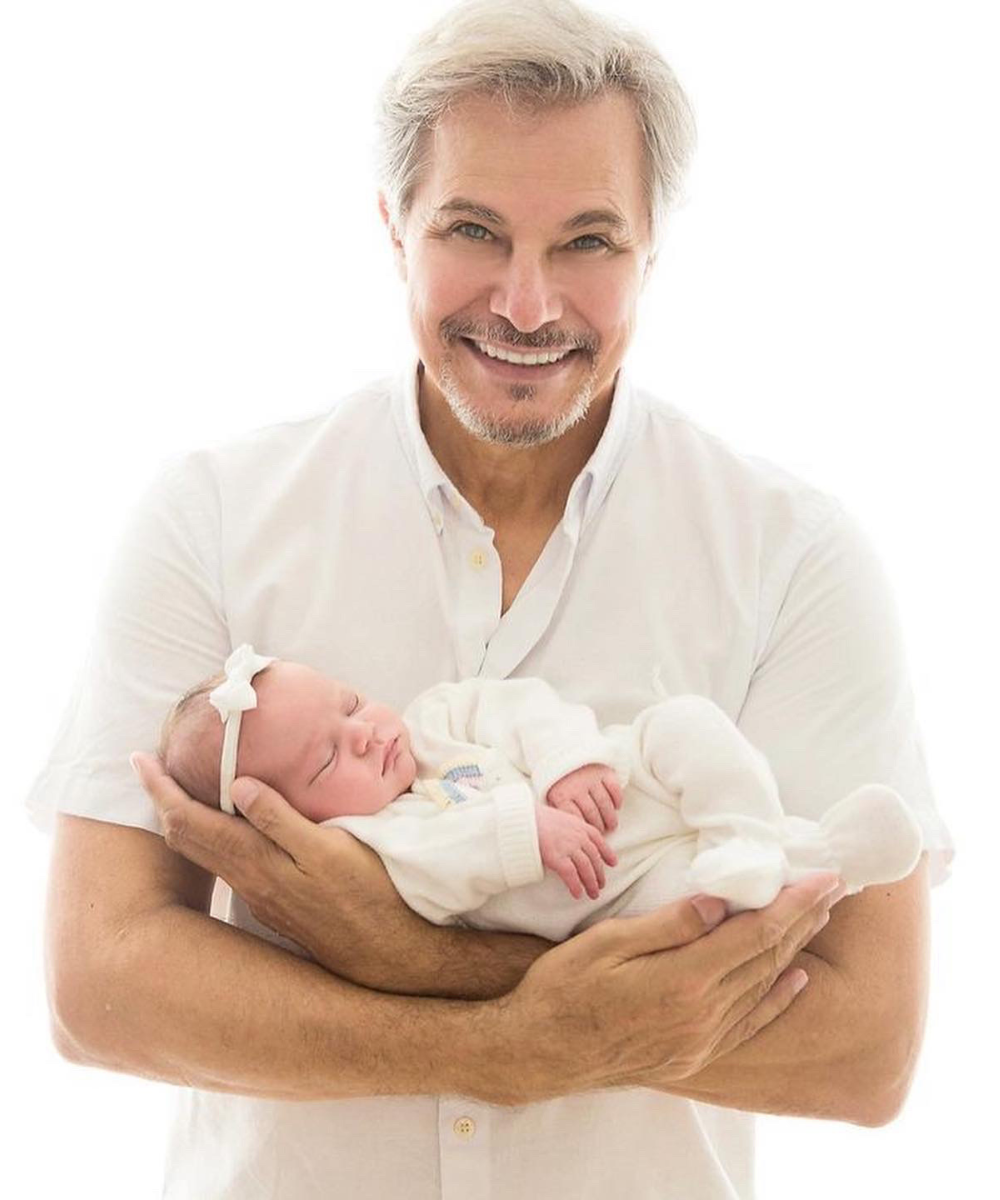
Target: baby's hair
(191, 741)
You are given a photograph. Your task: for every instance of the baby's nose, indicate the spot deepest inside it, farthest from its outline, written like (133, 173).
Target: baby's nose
(363, 735)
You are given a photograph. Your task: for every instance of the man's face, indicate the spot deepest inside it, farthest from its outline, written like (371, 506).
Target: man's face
(528, 234)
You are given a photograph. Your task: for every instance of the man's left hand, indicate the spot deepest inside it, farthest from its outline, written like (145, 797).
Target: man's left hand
(321, 887)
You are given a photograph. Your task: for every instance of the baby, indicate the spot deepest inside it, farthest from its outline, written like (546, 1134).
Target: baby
(486, 798)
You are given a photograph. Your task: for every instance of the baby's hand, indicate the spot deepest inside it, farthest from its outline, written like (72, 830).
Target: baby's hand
(573, 850)
(592, 791)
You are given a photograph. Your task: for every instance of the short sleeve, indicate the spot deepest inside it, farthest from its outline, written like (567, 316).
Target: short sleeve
(159, 629)
(830, 702)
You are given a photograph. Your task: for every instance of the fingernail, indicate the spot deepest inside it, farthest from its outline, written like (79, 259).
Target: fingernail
(710, 908)
(243, 792)
(799, 982)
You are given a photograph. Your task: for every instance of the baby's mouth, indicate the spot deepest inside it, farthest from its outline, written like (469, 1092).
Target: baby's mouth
(389, 750)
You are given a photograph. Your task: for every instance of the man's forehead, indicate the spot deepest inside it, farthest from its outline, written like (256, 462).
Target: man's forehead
(578, 158)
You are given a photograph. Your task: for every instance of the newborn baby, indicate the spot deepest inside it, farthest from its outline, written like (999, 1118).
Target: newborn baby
(487, 798)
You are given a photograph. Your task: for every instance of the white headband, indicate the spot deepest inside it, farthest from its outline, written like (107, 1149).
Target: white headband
(231, 700)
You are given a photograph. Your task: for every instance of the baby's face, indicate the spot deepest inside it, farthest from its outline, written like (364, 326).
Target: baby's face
(327, 749)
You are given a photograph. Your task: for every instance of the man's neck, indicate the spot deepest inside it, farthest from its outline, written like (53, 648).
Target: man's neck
(528, 484)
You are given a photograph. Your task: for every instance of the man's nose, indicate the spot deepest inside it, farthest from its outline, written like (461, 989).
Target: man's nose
(526, 294)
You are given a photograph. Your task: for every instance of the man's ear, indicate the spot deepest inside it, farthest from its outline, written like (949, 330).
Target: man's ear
(395, 236)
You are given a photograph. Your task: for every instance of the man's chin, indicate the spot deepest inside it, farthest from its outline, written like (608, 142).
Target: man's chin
(514, 429)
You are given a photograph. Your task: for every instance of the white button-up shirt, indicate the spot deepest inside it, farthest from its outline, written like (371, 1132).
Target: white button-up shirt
(339, 541)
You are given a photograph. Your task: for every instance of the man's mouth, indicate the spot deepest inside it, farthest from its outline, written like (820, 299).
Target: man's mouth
(528, 363)
(527, 358)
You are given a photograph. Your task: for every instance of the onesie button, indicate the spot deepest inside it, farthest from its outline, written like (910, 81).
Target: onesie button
(465, 1128)
(478, 559)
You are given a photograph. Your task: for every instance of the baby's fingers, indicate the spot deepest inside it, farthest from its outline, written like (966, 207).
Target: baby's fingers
(602, 848)
(588, 866)
(603, 806)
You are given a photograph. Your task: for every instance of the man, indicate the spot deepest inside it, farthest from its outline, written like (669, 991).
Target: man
(489, 513)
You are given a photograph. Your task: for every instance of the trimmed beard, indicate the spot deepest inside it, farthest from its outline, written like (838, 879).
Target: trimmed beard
(510, 432)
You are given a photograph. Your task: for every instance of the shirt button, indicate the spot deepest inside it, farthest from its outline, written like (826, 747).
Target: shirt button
(478, 559)
(465, 1128)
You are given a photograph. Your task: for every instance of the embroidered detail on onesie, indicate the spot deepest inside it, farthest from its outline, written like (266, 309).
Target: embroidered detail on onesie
(455, 775)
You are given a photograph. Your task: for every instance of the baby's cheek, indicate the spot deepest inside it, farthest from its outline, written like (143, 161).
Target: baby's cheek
(309, 805)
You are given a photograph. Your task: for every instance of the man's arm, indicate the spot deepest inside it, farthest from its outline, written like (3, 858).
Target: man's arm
(847, 1049)
(142, 980)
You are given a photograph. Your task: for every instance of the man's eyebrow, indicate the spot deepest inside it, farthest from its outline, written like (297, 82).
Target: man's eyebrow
(598, 216)
(467, 208)
(592, 216)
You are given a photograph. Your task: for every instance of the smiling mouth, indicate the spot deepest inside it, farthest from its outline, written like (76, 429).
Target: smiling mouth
(522, 358)
(526, 363)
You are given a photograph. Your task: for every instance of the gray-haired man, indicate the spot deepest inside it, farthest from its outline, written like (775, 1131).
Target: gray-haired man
(509, 505)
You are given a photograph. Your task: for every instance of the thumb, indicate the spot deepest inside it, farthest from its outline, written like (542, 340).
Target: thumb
(270, 813)
(675, 924)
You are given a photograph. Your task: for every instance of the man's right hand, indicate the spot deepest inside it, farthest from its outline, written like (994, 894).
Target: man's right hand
(650, 1000)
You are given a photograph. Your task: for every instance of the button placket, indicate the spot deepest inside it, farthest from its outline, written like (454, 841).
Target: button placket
(464, 1142)
(465, 1128)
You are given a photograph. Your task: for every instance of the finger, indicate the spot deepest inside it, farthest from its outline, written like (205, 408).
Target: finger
(588, 810)
(270, 813)
(593, 852)
(614, 787)
(567, 872)
(753, 979)
(741, 1026)
(605, 806)
(213, 840)
(587, 872)
(746, 937)
(604, 849)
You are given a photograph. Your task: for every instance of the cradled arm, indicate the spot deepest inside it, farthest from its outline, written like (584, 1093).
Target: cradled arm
(238, 1014)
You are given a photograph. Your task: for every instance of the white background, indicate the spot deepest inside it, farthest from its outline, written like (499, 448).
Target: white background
(189, 247)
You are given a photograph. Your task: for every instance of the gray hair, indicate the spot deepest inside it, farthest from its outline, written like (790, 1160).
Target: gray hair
(531, 53)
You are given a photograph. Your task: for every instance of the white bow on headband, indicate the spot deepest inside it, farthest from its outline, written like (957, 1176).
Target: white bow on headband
(231, 699)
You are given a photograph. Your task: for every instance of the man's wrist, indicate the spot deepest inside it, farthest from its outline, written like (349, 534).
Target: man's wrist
(459, 964)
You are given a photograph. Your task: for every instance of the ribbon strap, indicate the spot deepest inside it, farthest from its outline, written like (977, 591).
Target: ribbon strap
(231, 699)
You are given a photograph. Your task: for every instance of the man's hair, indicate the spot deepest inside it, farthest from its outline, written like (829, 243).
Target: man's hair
(191, 742)
(531, 54)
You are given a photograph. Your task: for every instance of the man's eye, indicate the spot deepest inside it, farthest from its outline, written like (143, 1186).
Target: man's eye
(475, 233)
(594, 242)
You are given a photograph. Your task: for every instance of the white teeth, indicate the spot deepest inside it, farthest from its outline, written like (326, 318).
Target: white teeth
(522, 360)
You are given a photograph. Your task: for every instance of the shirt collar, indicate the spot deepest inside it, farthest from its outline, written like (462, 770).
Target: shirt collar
(589, 488)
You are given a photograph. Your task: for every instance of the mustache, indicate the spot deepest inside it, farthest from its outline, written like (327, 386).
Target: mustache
(453, 328)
